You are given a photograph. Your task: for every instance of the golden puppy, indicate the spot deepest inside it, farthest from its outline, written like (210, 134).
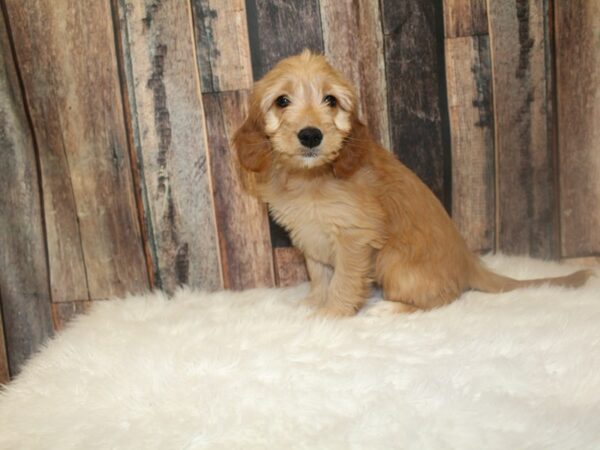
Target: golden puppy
(356, 212)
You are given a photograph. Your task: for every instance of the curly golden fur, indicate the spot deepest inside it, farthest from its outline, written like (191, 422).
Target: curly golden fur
(358, 214)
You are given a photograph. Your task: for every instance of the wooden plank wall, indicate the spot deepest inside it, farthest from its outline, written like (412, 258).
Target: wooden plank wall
(578, 85)
(413, 31)
(469, 84)
(24, 286)
(526, 171)
(116, 118)
(166, 113)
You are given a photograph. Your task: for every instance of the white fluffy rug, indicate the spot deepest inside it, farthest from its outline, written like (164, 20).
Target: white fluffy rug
(253, 370)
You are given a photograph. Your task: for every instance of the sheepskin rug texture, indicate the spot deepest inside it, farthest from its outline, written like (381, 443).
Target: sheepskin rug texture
(254, 369)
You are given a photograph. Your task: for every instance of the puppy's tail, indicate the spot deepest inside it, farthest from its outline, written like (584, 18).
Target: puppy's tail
(483, 279)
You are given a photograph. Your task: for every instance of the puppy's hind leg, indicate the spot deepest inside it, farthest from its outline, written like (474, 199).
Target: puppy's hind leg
(386, 308)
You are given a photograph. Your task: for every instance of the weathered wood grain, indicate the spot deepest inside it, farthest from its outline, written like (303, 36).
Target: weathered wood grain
(413, 37)
(222, 45)
(525, 173)
(290, 268)
(280, 28)
(465, 18)
(578, 85)
(163, 90)
(468, 77)
(63, 312)
(353, 44)
(68, 64)
(4, 372)
(242, 221)
(24, 287)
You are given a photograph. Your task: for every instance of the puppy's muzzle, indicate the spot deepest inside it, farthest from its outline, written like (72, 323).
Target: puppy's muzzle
(310, 137)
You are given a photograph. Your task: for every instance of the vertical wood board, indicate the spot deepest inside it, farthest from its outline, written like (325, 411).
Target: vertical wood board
(277, 29)
(222, 45)
(290, 267)
(67, 58)
(578, 86)
(353, 44)
(163, 87)
(468, 75)
(525, 172)
(413, 57)
(242, 221)
(464, 18)
(4, 372)
(24, 287)
(280, 28)
(64, 312)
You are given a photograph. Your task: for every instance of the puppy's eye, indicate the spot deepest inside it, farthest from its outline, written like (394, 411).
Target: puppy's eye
(330, 100)
(282, 101)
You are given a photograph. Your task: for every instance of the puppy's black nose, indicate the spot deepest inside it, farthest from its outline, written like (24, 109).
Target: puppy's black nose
(310, 137)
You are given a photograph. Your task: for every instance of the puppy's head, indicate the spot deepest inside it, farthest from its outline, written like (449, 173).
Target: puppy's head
(302, 113)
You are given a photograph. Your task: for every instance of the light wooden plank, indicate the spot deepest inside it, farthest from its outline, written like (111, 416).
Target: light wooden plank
(242, 220)
(526, 172)
(24, 287)
(280, 28)
(468, 78)
(63, 313)
(414, 46)
(290, 268)
(165, 101)
(68, 64)
(578, 86)
(353, 43)
(223, 49)
(465, 18)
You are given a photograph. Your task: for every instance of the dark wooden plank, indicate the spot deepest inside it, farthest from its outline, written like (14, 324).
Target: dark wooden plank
(165, 104)
(526, 171)
(242, 221)
(280, 28)
(414, 47)
(222, 45)
(465, 18)
(290, 268)
(24, 287)
(68, 64)
(578, 88)
(353, 42)
(468, 77)
(63, 312)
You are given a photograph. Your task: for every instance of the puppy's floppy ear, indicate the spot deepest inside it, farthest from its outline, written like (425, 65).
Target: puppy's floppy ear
(353, 151)
(251, 142)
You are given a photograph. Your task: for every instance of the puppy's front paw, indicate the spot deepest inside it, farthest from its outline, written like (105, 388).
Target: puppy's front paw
(314, 300)
(334, 312)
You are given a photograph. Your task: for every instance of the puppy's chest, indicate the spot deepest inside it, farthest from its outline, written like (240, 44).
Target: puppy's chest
(313, 219)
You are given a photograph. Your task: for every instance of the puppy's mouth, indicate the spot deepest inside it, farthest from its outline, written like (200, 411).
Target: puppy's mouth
(306, 152)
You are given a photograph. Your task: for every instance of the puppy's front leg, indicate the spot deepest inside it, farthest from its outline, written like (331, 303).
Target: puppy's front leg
(349, 287)
(320, 276)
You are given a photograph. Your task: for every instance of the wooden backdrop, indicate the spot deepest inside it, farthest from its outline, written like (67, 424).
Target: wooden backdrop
(116, 173)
